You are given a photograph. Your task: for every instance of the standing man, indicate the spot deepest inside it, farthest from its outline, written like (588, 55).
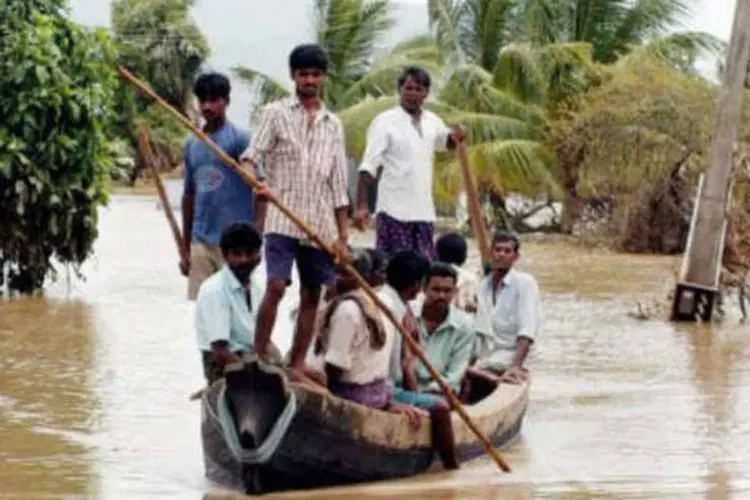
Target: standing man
(214, 194)
(308, 174)
(508, 316)
(402, 142)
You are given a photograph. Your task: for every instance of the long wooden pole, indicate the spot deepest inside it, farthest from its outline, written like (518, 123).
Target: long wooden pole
(305, 228)
(148, 155)
(475, 210)
(705, 254)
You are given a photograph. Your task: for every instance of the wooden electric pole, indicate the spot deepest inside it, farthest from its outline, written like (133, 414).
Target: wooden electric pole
(698, 283)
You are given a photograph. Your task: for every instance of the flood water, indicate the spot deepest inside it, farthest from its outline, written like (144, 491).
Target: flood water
(95, 379)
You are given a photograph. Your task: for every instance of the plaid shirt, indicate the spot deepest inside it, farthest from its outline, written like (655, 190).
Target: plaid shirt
(307, 170)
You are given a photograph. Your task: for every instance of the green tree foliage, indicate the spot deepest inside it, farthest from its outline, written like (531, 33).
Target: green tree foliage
(631, 141)
(159, 42)
(56, 101)
(526, 59)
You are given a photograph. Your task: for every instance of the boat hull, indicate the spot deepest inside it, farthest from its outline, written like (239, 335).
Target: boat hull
(333, 442)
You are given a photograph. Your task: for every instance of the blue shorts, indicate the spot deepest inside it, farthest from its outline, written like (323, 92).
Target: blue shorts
(314, 265)
(423, 400)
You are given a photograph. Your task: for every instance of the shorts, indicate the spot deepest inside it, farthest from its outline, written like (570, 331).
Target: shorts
(315, 266)
(205, 260)
(423, 400)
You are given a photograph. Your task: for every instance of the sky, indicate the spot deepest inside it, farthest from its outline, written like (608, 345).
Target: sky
(261, 38)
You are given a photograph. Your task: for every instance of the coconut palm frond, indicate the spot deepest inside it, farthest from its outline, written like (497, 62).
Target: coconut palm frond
(518, 72)
(381, 78)
(264, 88)
(484, 127)
(357, 118)
(682, 50)
(519, 166)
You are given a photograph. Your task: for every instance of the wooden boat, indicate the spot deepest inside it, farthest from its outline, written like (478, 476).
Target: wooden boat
(316, 439)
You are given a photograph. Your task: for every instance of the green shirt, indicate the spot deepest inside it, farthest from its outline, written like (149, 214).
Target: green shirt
(449, 349)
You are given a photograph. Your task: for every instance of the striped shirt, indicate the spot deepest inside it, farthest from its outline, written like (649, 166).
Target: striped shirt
(307, 170)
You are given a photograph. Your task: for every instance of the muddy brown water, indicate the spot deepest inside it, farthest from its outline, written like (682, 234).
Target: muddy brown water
(95, 378)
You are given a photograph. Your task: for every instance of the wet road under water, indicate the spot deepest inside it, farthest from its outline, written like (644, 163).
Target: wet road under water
(96, 378)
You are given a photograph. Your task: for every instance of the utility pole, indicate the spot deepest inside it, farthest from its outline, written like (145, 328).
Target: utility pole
(698, 284)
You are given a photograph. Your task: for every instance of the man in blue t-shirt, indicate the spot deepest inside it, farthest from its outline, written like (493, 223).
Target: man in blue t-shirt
(214, 195)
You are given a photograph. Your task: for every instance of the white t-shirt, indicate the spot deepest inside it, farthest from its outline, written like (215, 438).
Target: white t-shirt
(513, 310)
(406, 151)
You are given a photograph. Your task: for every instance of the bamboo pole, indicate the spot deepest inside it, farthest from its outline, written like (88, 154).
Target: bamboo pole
(305, 228)
(475, 210)
(148, 155)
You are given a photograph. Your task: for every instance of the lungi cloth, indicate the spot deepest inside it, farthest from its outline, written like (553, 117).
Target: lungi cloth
(392, 235)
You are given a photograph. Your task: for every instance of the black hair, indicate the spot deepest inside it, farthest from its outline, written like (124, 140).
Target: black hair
(308, 56)
(212, 86)
(503, 236)
(419, 75)
(240, 236)
(440, 270)
(451, 248)
(406, 268)
(378, 258)
(362, 263)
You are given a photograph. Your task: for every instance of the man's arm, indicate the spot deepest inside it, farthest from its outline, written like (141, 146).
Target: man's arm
(447, 138)
(188, 205)
(409, 369)
(212, 318)
(529, 319)
(340, 186)
(372, 159)
(255, 157)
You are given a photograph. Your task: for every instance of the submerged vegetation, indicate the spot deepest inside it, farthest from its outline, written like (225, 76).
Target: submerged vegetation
(591, 106)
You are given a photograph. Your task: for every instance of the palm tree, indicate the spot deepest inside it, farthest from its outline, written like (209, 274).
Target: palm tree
(543, 53)
(158, 40)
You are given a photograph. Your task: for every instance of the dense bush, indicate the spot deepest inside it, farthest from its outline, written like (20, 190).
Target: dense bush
(56, 107)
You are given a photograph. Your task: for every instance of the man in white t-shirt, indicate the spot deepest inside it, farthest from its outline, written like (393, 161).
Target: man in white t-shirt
(401, 144)
(509, 315)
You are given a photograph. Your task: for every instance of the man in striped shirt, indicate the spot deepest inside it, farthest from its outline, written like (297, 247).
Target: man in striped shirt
(308, 174)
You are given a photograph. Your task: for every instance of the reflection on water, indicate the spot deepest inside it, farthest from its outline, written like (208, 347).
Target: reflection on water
(47, 407)
(95, 384)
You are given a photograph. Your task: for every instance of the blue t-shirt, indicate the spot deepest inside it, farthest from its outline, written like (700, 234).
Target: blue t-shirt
(221, 196)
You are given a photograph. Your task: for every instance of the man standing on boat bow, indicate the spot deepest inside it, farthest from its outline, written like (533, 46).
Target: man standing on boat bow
(402, 142)
(508, 315)
(308, 174)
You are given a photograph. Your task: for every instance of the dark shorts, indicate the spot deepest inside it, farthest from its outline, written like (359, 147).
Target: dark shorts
(314, 265)
(393, 235)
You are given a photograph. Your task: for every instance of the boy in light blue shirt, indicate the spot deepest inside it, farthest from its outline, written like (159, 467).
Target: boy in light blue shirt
(227, 302)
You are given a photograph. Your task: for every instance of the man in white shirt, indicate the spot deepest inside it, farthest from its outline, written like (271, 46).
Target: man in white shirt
(508, 315)
(402, 142)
